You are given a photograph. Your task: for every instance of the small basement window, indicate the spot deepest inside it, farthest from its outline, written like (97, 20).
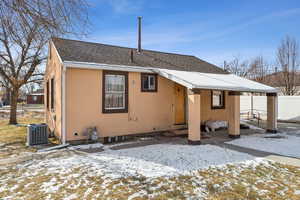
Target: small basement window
(148, 82)
(217, 99)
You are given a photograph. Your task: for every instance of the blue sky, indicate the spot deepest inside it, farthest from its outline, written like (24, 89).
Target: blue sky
(212, 30)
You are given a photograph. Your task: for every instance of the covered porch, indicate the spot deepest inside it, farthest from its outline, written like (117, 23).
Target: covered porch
(233, 107)
(200, 85)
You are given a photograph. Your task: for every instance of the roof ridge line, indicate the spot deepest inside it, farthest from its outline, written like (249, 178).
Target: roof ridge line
(129, 48)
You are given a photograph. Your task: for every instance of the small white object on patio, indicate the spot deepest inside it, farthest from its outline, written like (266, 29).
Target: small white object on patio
(288, 145)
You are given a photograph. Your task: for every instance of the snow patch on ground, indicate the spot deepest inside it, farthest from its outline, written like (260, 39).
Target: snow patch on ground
(86, 146)
(168, 159)
(104, 147)
(109, 146)
(287, 145)
(137, 195)
(251, 126)
(149, 161)
(78, 174)
(72, 196)
(242, 164)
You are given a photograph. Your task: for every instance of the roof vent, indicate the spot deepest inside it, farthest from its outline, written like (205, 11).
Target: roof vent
(131, 56)
(139, 49)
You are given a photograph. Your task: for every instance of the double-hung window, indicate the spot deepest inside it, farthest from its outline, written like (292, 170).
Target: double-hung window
(115, 92)
(148, 82)
(218, 99)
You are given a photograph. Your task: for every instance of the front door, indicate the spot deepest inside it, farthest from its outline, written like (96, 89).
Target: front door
(180, 92)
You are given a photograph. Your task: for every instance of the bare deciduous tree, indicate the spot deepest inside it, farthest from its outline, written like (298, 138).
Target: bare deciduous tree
(237, 66)
(258, 69)
(288, 61)
(25, 28)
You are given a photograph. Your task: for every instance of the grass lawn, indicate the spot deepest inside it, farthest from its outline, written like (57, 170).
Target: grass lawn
(254, 180)
(13, 138)
(72, 175)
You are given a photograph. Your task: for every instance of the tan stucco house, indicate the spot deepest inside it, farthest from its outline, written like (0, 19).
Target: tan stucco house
(125, 91)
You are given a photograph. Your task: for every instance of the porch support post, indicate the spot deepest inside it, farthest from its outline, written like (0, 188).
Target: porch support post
(272, 112)
(234, 114)
(194, 117)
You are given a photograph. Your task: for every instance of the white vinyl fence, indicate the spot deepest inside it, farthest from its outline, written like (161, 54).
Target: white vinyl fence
(288, 106)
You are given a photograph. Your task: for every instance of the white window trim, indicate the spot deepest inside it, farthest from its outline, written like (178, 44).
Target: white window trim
(116, 92)
(149, 82)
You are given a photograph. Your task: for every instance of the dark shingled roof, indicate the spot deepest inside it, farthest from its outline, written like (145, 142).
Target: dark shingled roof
(79, 51)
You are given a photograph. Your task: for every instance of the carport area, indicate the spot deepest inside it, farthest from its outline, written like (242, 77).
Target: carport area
(197, 84)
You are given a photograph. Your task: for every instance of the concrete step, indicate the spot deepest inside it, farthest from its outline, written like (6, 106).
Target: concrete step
(180, 131)
(179, 126)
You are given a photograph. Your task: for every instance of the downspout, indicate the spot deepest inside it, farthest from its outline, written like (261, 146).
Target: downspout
(252, 113)
(63, 102)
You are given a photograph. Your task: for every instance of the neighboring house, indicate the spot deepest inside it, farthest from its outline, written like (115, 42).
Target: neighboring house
(36, 97)
(5, 96)
(125, 91)
(277, 80)
(2, 94)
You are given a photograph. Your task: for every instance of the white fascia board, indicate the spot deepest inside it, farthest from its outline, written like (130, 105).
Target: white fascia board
(59, 58)
(86, 65)
(238, 89)
(193, 86)
(190, 85)
(163, 73)
(185, 80)
(174, 78)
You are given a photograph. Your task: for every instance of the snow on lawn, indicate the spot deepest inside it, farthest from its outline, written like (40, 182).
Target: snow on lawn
(153, 161)
(149, 161)
(245, 180)
(285, 144)
(149, 172)
(168, 159)
(86, 146)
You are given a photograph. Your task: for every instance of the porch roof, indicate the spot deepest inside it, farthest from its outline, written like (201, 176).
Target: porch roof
(199, 80)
